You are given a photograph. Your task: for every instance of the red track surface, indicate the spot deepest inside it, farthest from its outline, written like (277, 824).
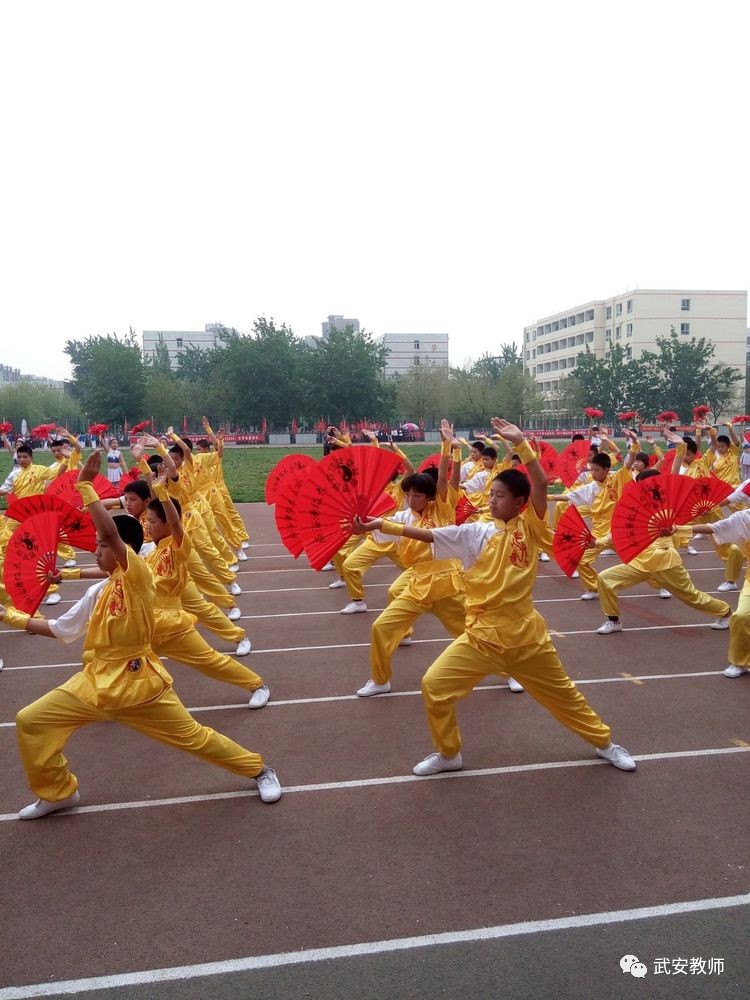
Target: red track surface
(144, 885)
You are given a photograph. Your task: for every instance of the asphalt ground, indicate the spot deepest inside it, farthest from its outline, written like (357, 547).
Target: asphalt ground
(529, 874)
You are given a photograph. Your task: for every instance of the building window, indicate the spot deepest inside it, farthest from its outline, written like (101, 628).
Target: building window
(528, 355)
(179, 343)
(618, 309)
(589, 315)
(579, 339)
(416, 345)
(609, 312)
(630, 305)
(685, 306)
(571, 341)
(608, 333)
(606, 355)
(554, 345)
(555, 326)
(540, 330)
(579, 317)
(563, 324)
(554, 366)
(589, 336)
(629, 330)
(571, 321)
(416, 359)
(685, 328)
(618, 332)
(547, 327)
(533, 336)
(533, 352)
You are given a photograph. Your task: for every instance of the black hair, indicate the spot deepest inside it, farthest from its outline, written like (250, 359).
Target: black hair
(130, 530)
(158, 507)
(431, 471)
(594, 448)
(672, 429)
(188, 442)
(156, 460)
(515, 458)
(489, 452)
(724, 438)
(517, 483)
(595, 427)
(602, 460)
(578, 437)
(642, 457)
(174, 450)
(58, 443)
(139, 487)
(646, 474)
(420, 482)
(478, 446)
(692, 447)
(203, 443)
(24, 449)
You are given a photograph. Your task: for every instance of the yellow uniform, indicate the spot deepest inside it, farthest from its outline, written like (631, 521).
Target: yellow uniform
(600, 500)
(504, 632)
(730, 555)
(209, 464)
(183, 489)
(363, 556)
(122, 680)
(735, 530)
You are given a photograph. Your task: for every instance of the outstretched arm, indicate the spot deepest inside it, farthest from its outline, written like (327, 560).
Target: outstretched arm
(395, 528)
(105, 526)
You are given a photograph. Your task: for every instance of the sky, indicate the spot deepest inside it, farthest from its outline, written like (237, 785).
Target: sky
(423, 166)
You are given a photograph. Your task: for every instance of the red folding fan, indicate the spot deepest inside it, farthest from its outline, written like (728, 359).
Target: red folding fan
(42, 430)
(76, 526)
(572, 538)
(646, 510)
(30, 555)
(464, 509)
(548, 460)
(6, 427)
(433, 462)
(347, 483)
(289, 465)
(285, 511)
(98, 429)
(572, 461)
(64, 487)
(707, 493)
(126, 479)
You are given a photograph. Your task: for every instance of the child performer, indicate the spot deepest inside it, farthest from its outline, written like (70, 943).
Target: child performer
(122, 679)
(115, 462)
(660, 563)
(504, 632)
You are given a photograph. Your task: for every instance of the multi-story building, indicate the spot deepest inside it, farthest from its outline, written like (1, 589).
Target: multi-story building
(176, 341)
(338, 323)
(14, 376)
(408, 350)
(634, 320)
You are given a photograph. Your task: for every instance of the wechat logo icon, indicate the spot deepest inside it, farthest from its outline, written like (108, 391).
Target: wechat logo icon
(631, 964)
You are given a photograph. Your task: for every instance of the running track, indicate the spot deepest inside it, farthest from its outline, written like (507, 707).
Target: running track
(529, 874)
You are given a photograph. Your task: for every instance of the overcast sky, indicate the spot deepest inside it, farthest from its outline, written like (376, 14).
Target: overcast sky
(424, 166)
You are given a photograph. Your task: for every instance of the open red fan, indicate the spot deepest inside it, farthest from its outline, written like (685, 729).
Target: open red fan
(464, 509)
(593, 413)
(572, 537)
(42, 430)
(126, 479)
(98, 429)
(64, 486)
(699, 412)
(285, 511)
(667, 417)
(30, 555)
(347, 483)
(707, 493)
(627, 416)
(288, 466)
(548, 460)
(647, 509)
(6, 427)
(572, 461)
(433, 462)
(137, 428)
(743, 418)
(76, 526)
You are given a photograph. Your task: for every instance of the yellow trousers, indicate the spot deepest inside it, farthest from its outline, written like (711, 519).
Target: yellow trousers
(731, 555)
(207, 584)
(220, 543)
(224, 524)
(199, 536)
(189, 647)
(739, 630)
(44, 727)
(586, 571)
(391, 625)
(209, 615)
(359, 561)
(676, 580)
(233, 513)
(344, 552)
(468, 660)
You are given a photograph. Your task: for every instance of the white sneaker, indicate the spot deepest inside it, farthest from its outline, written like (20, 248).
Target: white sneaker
(246, 545)
(732, 671)
(720, 623)
(42, 808)
(608, 552)
(337, 584)
(691, 551)
(665, 594)
(406, 641)
(241, 556)
(243, 647)
(259, 697)
(514, 686)
(353, 608)
(371, 688)
(233, 614)
(234, 589)
(327, 568)
(543, 557)
(69, 563)
(726, 585)
(589, 595)
(575, 575)
(53, 598)
(1, 663)
(609, 627)
(436, 763)
(618, 756)
(269, 786)
(234, 567)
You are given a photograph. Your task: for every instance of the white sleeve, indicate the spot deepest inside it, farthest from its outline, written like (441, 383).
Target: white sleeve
(739, 495)
(74, 622)
(402, 517)
(12, 476)
(582, 495)
(733, 529)
(477, 483)
(462, 541)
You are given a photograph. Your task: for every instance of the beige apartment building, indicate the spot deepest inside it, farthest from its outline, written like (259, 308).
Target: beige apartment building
(634, 320)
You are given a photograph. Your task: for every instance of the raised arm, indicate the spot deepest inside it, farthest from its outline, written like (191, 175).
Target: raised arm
(446, 435)
(525, 452)
(106, 528)
(147, 441)
(186, 452)
(159, 490)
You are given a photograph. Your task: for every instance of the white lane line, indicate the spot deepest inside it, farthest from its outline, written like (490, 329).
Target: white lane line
(325, 699)
(253, 963)
(396, 779)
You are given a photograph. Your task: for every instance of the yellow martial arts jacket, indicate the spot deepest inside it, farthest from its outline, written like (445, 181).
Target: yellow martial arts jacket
(169, 564)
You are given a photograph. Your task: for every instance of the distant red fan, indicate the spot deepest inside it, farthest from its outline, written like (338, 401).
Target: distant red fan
(76, 526)
(6, 427)
(572, 461)
(64, 486)
(667, 417)
(645, 510)
(708, 492)
(137, 428)
(433, 462)
(699, 412)
(464, 509)
(285, 510)
(42, 430)
(572, 537)
(548, 459)
(30, 555)
(98, 429)
(127, 478)
(593, 413)
(289, 465)
(347, 483)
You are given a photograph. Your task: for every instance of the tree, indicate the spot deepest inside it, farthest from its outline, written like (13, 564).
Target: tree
(109, 377)
(423, 393)
(345, 376)
(37, 404)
